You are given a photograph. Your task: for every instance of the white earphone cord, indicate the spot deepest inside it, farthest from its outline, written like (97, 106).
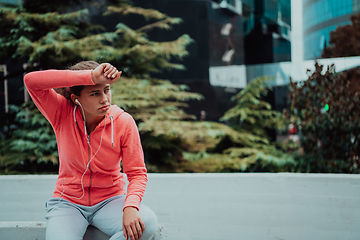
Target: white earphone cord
(87, 166)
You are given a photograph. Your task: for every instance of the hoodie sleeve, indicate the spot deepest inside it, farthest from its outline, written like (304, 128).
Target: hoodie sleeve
(41, 84)
(133, 165)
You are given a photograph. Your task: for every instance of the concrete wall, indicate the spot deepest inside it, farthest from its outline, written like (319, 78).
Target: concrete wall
(223, 206)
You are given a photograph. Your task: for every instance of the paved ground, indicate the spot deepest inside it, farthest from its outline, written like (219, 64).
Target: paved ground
(223, 206)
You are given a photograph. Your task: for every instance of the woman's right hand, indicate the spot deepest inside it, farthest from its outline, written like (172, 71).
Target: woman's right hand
(105, 73)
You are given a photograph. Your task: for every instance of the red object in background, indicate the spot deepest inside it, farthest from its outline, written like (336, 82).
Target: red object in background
(292, 129)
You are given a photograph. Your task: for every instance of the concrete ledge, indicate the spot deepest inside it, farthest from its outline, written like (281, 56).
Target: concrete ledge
(36, 231)
(251, 206)
(22, 230)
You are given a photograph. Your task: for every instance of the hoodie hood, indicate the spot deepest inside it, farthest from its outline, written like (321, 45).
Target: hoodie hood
(113, 114)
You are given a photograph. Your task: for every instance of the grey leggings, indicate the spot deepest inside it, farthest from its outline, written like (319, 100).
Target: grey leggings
(66, 220)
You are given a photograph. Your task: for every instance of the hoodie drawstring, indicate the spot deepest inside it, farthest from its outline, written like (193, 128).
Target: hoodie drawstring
(112, 126)
(112, 131)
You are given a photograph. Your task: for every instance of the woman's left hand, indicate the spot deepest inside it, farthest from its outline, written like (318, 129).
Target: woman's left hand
(133, 225)
(105, 73)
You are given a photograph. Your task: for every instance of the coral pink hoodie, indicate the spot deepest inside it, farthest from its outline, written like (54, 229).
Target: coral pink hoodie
(116, 137)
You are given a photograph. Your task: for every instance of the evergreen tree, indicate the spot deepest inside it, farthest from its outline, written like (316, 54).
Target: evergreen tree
(55, 39)
(244, 145)
(252, 114)
(32, 146)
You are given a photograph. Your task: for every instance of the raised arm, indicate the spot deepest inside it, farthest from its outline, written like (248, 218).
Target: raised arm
(41, 84)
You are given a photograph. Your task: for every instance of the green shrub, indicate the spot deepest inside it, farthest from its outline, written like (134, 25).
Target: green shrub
(326, 111)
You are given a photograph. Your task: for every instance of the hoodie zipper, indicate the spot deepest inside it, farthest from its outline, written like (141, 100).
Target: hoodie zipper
(89, 157)
(91, 173)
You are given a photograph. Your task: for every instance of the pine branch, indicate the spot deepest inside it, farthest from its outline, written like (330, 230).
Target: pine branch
(125, 9)
(163, 24)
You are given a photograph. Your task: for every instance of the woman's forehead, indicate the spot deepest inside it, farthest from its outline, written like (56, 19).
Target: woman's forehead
(99, 87)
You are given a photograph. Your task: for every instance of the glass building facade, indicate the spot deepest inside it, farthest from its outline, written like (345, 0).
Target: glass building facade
(267, 31)
(320, 17)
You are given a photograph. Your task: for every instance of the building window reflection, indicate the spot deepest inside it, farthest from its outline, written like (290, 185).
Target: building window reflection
(320, 17)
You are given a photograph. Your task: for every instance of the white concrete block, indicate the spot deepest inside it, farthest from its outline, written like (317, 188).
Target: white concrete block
(22, 230)
(32, 230)
(265, 206)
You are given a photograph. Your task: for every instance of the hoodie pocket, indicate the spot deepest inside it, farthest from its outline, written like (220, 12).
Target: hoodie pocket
(100, 180)
(69, 181)
(70, 184)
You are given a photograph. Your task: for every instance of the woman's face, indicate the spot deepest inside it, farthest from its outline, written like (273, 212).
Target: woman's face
(95, 100)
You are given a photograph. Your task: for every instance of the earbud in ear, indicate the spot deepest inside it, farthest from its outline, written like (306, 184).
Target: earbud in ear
(77, 101)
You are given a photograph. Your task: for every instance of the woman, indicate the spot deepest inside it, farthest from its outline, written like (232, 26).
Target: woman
(93, 137)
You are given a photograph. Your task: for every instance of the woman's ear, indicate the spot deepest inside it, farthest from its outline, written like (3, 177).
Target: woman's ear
(74, 99)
